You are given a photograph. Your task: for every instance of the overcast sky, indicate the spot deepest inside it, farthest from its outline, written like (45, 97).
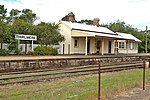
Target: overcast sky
(133, 12)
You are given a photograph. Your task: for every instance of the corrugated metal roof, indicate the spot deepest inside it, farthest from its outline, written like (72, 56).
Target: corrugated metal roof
(116, 36)
(99, 31)
(90, 28)
(128, 36)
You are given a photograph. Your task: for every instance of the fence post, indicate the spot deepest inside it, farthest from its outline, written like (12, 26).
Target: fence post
(99, 81)
(144, 75)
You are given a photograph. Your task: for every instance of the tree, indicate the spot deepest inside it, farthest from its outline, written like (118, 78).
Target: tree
(2, 32)
(86, 21)
(28, 15)
(14, 13)
(65, 18)
(3, 28)
(121, 26)
(21, 26)
(3, 12)
(48, 33)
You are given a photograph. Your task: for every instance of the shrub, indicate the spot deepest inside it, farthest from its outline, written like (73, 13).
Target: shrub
(44, 50)
(30, 53)
(22, 53)
(3, 52)
(54, 51)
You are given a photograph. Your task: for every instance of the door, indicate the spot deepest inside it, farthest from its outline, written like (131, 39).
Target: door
(68, 48)
(98, 46)
(109, 47)
(63, 48)
(88, 46)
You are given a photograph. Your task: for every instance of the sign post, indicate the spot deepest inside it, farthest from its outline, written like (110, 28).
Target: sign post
(144, 75)
(146, 64)
(32, 46)
(25, 37)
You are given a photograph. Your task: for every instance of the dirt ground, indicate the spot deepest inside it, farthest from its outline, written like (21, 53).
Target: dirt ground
(134, 94)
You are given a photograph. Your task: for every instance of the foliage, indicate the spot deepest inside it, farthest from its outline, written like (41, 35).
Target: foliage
(30, 53)
(44, 50)
(21, 53)
(121, 26)
(28, 15)
(3, 52)
(22, 22)
(65, 18)
(14, 14)
(48, 33)
(3, 12)
(86, 21)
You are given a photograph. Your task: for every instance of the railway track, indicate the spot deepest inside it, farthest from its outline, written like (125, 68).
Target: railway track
(50, 74)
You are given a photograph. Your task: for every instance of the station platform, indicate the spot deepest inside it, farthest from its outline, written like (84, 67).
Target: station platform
(5, 58)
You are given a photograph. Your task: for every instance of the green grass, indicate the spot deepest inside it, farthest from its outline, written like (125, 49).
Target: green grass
(77, 88)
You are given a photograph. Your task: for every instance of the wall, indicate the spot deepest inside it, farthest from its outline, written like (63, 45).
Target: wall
(106, 42)
(92, 45)
(124, 50)
(66, 32)
(35, 63)
(81, 46)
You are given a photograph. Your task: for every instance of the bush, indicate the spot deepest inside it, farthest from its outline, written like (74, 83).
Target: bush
(44, 50)
(30, 53)
(3, 52)
(22, 53)
(54, 51)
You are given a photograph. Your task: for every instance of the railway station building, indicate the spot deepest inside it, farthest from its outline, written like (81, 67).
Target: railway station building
(94, 39)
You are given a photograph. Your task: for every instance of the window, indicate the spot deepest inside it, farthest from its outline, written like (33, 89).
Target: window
(76, 44)
(121, 45)
(129, 45)
(134, 45)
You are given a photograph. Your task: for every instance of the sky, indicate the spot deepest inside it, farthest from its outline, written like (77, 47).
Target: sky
(133, 12)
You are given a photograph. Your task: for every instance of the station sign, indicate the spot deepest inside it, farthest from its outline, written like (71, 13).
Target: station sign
(25, 37)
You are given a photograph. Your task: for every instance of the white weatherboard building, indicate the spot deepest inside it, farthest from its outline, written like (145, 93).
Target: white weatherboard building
(90, 39)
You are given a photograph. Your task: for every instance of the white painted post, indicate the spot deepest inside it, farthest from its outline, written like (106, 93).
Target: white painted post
(18, 44)
(32, 45)
(86, 40)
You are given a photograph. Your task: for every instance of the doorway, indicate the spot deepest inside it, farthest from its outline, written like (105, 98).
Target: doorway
(63, 48)
(88, 46)
(98, 46)
(109, 47)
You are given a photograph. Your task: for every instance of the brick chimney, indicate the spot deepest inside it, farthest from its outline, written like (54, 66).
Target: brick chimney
(71, 17)
(96, 22)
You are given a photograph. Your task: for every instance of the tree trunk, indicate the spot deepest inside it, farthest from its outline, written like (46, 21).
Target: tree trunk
(1, 45)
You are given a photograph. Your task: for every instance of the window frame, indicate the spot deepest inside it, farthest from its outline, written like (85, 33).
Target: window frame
(121, 45)
(76, 43)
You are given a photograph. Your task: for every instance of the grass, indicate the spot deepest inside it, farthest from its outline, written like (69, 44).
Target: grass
(76, 88)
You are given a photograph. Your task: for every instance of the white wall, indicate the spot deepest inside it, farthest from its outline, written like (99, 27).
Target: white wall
(106, 43)
(92, 45)
(66, 32)
(124, 50)
(81, 46)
